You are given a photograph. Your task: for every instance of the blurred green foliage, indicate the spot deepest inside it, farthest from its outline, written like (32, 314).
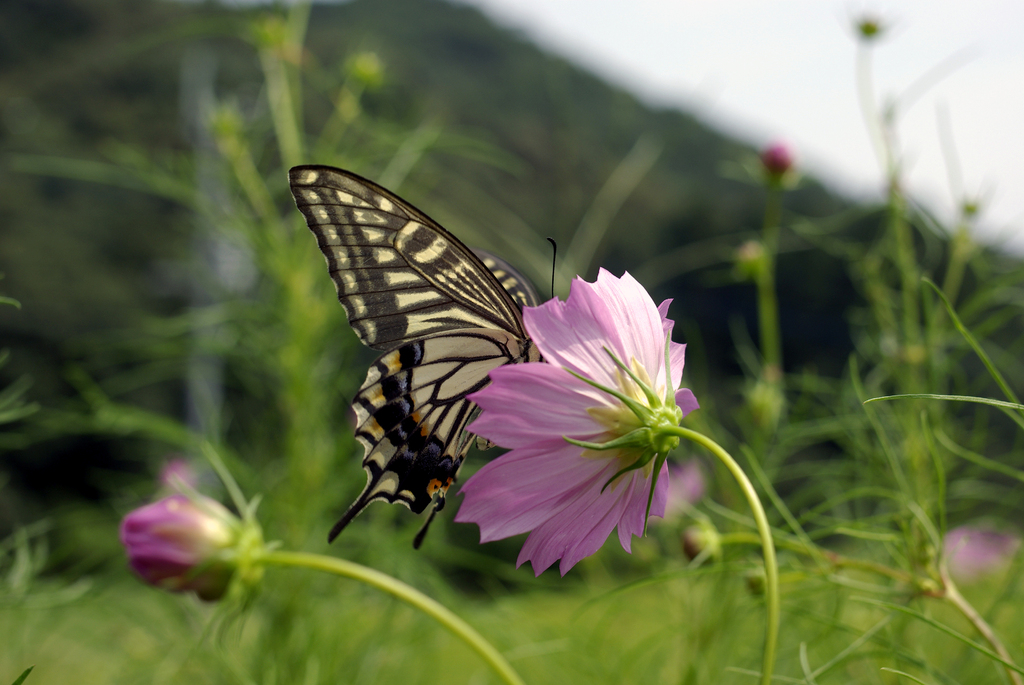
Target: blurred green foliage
(172, 296)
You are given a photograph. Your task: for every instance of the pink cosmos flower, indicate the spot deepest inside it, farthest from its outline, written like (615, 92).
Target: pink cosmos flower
(568, 497)
(176, 543)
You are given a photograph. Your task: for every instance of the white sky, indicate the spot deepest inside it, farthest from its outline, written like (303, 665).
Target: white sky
(766, 70)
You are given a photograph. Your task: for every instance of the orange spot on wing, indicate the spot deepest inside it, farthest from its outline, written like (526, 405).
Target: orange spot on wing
(434, 485)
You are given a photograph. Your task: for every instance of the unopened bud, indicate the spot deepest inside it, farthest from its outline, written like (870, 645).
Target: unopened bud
(869, 28)
(777, 160)
(751, 260)
(702, 539)
(366, 68)
(178, 543)
(767, 402)
(755, 580)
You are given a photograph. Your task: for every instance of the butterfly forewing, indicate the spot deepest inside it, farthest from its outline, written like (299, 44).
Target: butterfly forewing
(445, 315)
(399, 275)
(515, 284)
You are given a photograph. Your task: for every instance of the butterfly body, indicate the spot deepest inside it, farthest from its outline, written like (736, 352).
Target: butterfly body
(444, 315)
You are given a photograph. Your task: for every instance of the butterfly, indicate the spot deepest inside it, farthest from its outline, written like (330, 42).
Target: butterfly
(442, 314)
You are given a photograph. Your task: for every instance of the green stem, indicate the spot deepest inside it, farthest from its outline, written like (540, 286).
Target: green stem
(907, 264)
(407, 594)
(952, 595)
(771, 566)
(283, 104)
(767, 301)
(866, 99)
(836, 560)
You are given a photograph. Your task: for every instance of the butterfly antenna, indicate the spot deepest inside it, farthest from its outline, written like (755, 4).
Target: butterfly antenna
(554, 256)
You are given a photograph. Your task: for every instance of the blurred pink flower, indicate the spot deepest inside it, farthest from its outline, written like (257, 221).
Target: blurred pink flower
(974, 551)
(175, 472)
(176, 543)
(685, 487)
(557, 490)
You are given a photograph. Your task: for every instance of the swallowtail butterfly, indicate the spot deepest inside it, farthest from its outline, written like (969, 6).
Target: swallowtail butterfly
(442, 314)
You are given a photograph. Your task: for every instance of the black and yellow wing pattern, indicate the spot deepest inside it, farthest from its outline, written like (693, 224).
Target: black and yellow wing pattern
(443, 314)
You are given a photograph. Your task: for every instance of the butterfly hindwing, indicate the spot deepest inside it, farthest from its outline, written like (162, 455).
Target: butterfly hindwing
(446, 315)
(412, 410)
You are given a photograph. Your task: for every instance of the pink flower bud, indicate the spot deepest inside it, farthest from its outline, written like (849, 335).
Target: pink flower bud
(176, 543)
(777, 159)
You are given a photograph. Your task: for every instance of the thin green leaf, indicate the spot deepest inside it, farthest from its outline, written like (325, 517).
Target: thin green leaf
(975, 458)
(779, 678)
(1005, 406)
(942, 628)
(780, 506)
(940, 471)
(890, 456)
(609, 200)
(17, 413)
(24, 675)
(155, 183)
(11, 395)
(805, 665)
(852, 647)
(950, 398)
(905, 675)
(975, 345)
(217, 462)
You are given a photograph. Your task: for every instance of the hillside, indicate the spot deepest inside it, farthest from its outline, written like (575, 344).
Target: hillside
(517, 145)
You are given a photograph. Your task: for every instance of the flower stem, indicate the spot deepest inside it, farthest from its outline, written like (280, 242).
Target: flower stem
(767, 300)
(407, 594)
(837, 560)
(771, 567)
(952, 595)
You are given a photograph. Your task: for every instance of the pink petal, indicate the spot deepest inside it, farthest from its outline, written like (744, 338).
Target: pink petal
(663, 311)
(527, 486)
(633, 519)
(611, 313)
(580, 529)
(677, 358)
(628, 317)
(583, 526)
(568, 341)
(686, 400)
(527, 402)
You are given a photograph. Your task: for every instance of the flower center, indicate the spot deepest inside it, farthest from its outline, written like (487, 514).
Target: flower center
(632, 422)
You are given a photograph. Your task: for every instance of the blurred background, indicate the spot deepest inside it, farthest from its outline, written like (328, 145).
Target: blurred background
(170, 293)
(763, 71)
